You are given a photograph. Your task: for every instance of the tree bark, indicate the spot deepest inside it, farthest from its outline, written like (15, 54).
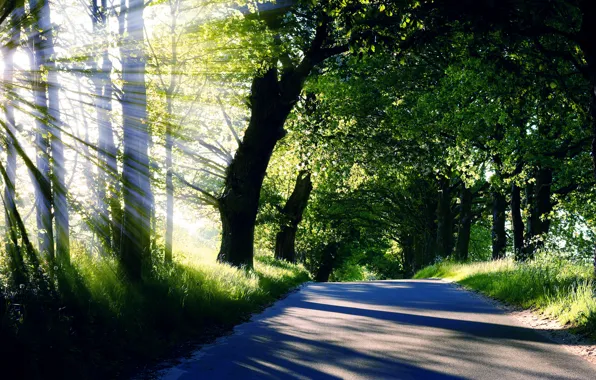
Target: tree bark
(538, 198)
(408, 251)
(329, 256)
(169, 189)
(499, 238)
(292, 216)
(43, 194)
(60, 203)
(444, 219)
(109, 206)
(465, 224)
(517, 222)
(135, 251)
(11, 240)
(174, 8)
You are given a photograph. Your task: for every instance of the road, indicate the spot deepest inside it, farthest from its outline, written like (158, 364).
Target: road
(426, 329)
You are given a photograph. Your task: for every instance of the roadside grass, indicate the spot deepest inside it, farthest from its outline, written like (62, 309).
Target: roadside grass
(91, 324)
(558, 290)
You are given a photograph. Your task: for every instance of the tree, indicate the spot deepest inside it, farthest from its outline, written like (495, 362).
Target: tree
(292, 216)
(135, 251)
(38, 43)
(110, 208)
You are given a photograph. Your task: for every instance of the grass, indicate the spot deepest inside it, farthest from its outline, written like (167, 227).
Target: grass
(93, 325)
(558, 290)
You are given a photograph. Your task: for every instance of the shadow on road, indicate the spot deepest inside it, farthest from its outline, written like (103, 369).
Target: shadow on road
(383, 330)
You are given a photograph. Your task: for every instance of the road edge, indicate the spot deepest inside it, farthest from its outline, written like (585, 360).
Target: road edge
(547, 327)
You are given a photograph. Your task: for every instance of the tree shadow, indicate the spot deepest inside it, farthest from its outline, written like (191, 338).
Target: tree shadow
(382, 330)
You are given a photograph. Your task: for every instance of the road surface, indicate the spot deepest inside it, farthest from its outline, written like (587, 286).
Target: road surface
(407, 329)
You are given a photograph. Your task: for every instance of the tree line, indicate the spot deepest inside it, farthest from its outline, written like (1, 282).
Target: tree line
(415, 128)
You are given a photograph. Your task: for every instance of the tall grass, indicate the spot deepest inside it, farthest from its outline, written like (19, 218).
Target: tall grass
(558, 290)
(95, 325)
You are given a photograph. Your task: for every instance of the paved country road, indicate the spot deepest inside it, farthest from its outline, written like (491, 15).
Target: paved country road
(383, 330)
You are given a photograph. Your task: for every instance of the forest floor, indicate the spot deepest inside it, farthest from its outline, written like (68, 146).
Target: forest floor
(382, 329)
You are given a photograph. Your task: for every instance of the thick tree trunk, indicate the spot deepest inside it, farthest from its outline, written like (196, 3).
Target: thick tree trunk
(465, 224)
(444, 219)
(135, 251)
(292, 216)
(43, 194)
(499, 238)
(244, 177)
(517, 222)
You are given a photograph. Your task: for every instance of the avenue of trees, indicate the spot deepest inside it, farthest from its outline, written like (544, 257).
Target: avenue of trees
(355, 137)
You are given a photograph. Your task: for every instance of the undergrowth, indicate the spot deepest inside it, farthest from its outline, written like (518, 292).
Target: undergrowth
(559, 290)
(88, 323)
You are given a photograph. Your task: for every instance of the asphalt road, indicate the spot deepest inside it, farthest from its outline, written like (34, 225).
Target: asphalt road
(383, 330)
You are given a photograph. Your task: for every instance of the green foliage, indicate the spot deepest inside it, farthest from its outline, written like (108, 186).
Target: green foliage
(99, 326)
(480, 243)
(555, 288)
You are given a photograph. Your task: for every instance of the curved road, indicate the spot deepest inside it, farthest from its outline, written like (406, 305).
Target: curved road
(383, 330)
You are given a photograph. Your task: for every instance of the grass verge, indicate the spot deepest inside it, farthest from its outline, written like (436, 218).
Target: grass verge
(561, 291)
(90, 324)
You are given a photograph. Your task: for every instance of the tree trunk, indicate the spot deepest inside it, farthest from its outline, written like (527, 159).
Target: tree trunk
(517, 222)
(538, 198)
(109, 206)
(292, 216)
(60, 203)
(11, 240)
(465, 224)
(499, 238)
(444, 219)
(174, 9)
(43, 194)
(135, 251)
(169, 188)
(329, 256)
(543, 203)
(409, 251)
(244, 177)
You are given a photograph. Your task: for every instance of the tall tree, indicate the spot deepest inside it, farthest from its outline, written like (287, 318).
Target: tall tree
(12, 242)
(43, 194)
(135, 250)
(59, 191)
(273, 96)
(109, 206)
